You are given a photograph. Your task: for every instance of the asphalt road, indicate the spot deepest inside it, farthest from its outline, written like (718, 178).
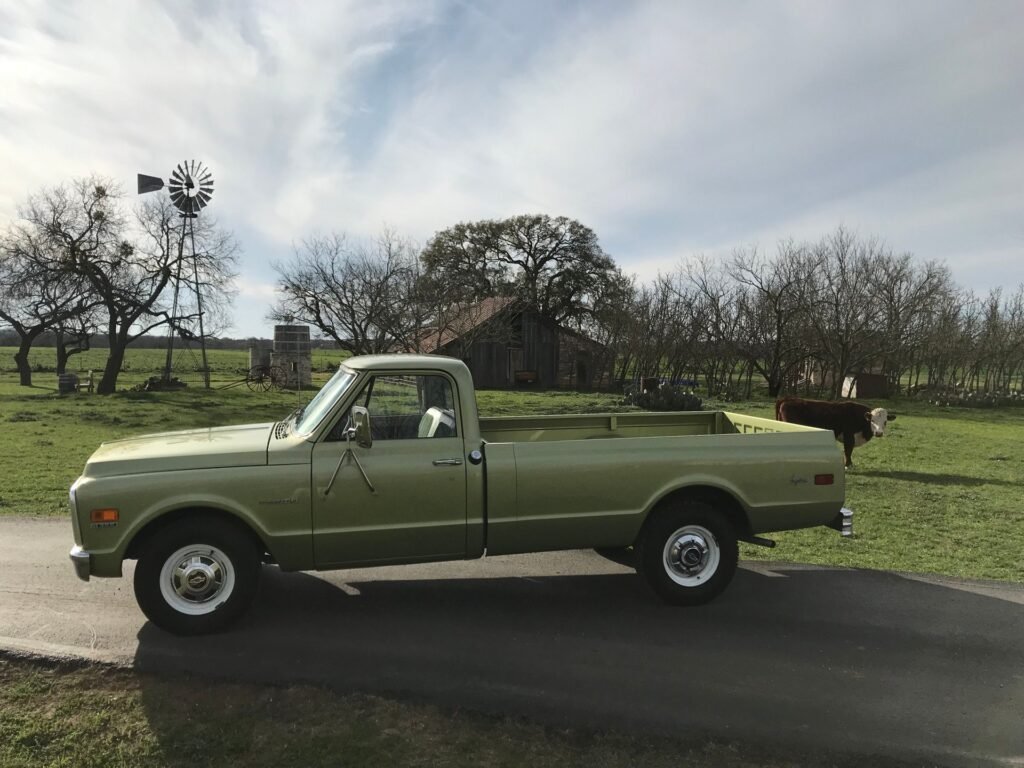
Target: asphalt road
(859, 661)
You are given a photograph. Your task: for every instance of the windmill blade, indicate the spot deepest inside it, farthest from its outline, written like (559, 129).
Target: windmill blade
(149, 183)
(190, 186)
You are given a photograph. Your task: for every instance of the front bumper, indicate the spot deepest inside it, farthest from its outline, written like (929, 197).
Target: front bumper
(843, 522)
(80, 560)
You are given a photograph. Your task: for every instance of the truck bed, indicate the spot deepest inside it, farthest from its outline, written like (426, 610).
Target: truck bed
(560, 482)
(534, 429)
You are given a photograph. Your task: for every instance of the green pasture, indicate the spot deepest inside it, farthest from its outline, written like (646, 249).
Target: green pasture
(940, 493)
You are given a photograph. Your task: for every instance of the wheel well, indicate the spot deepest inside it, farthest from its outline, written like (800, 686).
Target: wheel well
(153, 527)
(721, 500)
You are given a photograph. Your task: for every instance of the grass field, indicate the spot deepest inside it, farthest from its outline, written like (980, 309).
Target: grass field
(940, 493)
(52, 715)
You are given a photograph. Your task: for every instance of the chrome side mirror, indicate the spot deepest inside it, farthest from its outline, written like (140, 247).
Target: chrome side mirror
(360, 428)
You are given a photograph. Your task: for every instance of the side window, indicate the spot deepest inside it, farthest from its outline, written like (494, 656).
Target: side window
(407, 408)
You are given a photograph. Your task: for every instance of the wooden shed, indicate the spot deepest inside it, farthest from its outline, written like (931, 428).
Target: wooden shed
(867, 385)
(506, 344)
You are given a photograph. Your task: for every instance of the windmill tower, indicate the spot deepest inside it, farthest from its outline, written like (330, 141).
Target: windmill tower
(191, 188)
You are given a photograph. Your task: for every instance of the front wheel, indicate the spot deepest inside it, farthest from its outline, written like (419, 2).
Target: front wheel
(197, 576)
(688, 553)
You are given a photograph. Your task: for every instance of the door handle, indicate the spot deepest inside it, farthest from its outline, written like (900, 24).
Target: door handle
(447, 462)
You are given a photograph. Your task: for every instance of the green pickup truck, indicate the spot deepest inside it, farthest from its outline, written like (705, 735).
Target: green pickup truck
(389, 463)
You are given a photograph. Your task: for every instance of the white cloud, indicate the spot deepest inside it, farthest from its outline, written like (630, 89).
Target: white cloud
(670, 128)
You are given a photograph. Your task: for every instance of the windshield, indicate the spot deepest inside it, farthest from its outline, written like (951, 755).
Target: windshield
(307, 417)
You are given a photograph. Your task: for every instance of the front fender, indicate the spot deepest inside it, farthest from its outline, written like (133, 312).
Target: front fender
(272, 501)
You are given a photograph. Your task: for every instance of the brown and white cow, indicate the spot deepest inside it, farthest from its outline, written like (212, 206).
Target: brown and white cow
(852, 423)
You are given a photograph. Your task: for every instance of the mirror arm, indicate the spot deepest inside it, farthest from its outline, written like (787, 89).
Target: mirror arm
(349, 434)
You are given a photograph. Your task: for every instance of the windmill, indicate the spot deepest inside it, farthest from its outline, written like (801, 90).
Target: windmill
(191, 188)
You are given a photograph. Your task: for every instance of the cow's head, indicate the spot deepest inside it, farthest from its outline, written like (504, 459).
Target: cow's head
(878, 418)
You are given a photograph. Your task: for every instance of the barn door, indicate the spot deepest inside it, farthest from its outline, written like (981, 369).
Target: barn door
(515, 363)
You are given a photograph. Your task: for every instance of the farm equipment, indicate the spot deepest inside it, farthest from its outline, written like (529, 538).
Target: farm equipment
(262, 378)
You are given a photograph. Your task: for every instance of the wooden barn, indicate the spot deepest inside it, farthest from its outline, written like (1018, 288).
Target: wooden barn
(505, 344)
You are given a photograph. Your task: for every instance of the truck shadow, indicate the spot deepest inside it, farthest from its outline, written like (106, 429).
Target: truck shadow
(784, 658)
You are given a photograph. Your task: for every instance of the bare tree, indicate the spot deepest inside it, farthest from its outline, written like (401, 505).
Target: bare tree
(356, 294)
(712, 307)
(839, 273)
(38, 290)
(72, 335)
(85, 226)
(771, 312)
(908, 294)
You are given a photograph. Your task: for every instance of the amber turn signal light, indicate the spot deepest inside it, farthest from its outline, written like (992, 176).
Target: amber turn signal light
(824, 479)
(108, 515)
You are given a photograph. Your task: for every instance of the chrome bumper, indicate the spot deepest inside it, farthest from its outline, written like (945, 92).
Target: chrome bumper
(80, 561)
(843, 522)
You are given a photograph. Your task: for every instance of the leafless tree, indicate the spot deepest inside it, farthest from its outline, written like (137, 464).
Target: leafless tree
(73, 335)
(908, 293)
(770, 304)
(38, 290)
(84, 226)
(355, 293)
(839, 274)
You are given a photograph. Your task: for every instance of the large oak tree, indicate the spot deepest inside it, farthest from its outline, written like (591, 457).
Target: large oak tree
(553, 264)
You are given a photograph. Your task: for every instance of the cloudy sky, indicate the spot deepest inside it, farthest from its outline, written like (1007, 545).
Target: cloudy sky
(670, 128)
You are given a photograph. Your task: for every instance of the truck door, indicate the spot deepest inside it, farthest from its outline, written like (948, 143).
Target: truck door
(416, 508)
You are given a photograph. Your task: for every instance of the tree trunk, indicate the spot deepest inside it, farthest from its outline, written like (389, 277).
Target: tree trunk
(21, 360)
(108, 384)
(62, 356)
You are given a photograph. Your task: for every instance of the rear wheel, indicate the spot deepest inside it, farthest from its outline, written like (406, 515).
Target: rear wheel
(197, 576)
(688, 552)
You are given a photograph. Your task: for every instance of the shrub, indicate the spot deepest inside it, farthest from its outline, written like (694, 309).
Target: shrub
(665, 398)
(969, 398)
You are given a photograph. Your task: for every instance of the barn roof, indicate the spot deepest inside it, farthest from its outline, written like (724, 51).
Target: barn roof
(466, 318)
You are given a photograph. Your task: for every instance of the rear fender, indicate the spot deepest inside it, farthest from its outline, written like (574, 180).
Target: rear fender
(722, 495)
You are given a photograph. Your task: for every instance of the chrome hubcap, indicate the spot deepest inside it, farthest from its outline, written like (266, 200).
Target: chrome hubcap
(197, 579)
(691, 555)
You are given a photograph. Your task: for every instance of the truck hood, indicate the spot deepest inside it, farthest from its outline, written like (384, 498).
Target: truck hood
(214, 448)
